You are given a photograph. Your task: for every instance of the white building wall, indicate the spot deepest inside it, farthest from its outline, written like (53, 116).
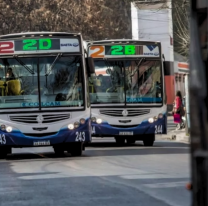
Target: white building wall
(135, 23)
(155, 25)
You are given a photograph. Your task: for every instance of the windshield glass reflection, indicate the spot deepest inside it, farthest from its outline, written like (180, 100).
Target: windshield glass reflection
(107, 86)
(58, 82)
(135, 81)
(143, 82)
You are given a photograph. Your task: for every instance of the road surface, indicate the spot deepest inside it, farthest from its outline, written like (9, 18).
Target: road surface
(106, 175)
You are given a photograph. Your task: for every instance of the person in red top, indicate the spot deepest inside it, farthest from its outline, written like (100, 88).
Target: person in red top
(178, 102)
(177, 109)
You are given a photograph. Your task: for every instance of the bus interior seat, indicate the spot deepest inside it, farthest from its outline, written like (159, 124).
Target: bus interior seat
(2, 87)
(14, 87)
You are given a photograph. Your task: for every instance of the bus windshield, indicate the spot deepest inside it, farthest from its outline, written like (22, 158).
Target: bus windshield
(143, 82)
(108, 84)
(41, 82)
(126, 81)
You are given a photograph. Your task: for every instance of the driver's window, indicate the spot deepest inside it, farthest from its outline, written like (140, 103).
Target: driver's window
(18, 83)
(21, 75)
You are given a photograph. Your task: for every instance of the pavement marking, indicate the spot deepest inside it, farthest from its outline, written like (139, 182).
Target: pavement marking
(166, 185)
(152, 176)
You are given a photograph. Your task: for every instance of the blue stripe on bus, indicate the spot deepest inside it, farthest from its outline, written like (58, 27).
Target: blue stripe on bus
(142, 99)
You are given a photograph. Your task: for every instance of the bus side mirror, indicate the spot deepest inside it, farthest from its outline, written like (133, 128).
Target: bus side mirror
(166, 67)
(90, 65)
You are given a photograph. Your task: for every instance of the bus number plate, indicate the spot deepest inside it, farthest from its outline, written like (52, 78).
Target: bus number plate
(126, 133)
(42, 143)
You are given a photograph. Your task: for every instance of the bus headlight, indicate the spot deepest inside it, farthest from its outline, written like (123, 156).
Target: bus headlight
(9, 129)
(82, 121)
(99, 121)
(76, 124)
(160, 116)
(151, 120)
(71, 126)
(93, 119)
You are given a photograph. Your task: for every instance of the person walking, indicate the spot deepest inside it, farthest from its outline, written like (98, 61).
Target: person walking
(178, 110)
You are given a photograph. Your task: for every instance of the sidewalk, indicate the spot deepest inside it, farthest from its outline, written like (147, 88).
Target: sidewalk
(177, 135)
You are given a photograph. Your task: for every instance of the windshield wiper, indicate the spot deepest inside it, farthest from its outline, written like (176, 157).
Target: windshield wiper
(52, 65)
(107, 64)
(138, 67)
(25, 66)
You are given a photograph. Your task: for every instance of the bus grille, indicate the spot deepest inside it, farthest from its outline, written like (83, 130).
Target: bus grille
(124, 126)
(40, 135)
(131, 112)
(34, 119)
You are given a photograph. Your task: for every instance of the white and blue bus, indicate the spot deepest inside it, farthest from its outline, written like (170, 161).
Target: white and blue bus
(44, 98)
(127, 90)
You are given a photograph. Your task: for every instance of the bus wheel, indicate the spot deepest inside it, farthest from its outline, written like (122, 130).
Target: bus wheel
(120, 141)
(59, 151)
(149, 140)
(76, 149)
(3, 152)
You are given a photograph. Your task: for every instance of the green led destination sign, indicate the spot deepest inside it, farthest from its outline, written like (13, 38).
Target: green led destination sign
(41, 45)
(102, 51)
(37, 44)
(120, 50)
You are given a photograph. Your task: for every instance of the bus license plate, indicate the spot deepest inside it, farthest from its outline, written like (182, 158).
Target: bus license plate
(42, 143)
(126, 133)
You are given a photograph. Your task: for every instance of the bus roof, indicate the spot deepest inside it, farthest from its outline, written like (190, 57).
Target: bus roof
(109, 41)
(35, 34)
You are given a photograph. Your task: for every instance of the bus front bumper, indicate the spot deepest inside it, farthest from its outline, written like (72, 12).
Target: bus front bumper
(105, 129)
(18, 139)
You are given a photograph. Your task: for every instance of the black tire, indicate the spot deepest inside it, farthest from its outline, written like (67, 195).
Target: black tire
(59, 151)
(120, 141)
(3, 152)
(149, 140)
(75, 149)
(130, 141)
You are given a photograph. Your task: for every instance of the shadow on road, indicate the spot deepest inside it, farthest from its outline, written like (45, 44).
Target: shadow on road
(29, 156)
(110, 148)
(110, 144)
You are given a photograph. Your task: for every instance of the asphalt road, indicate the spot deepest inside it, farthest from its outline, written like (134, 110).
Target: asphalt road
(105, 175)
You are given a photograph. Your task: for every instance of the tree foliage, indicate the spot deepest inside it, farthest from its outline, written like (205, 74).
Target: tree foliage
(181, 26)
(95, 19)
(180, 16)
